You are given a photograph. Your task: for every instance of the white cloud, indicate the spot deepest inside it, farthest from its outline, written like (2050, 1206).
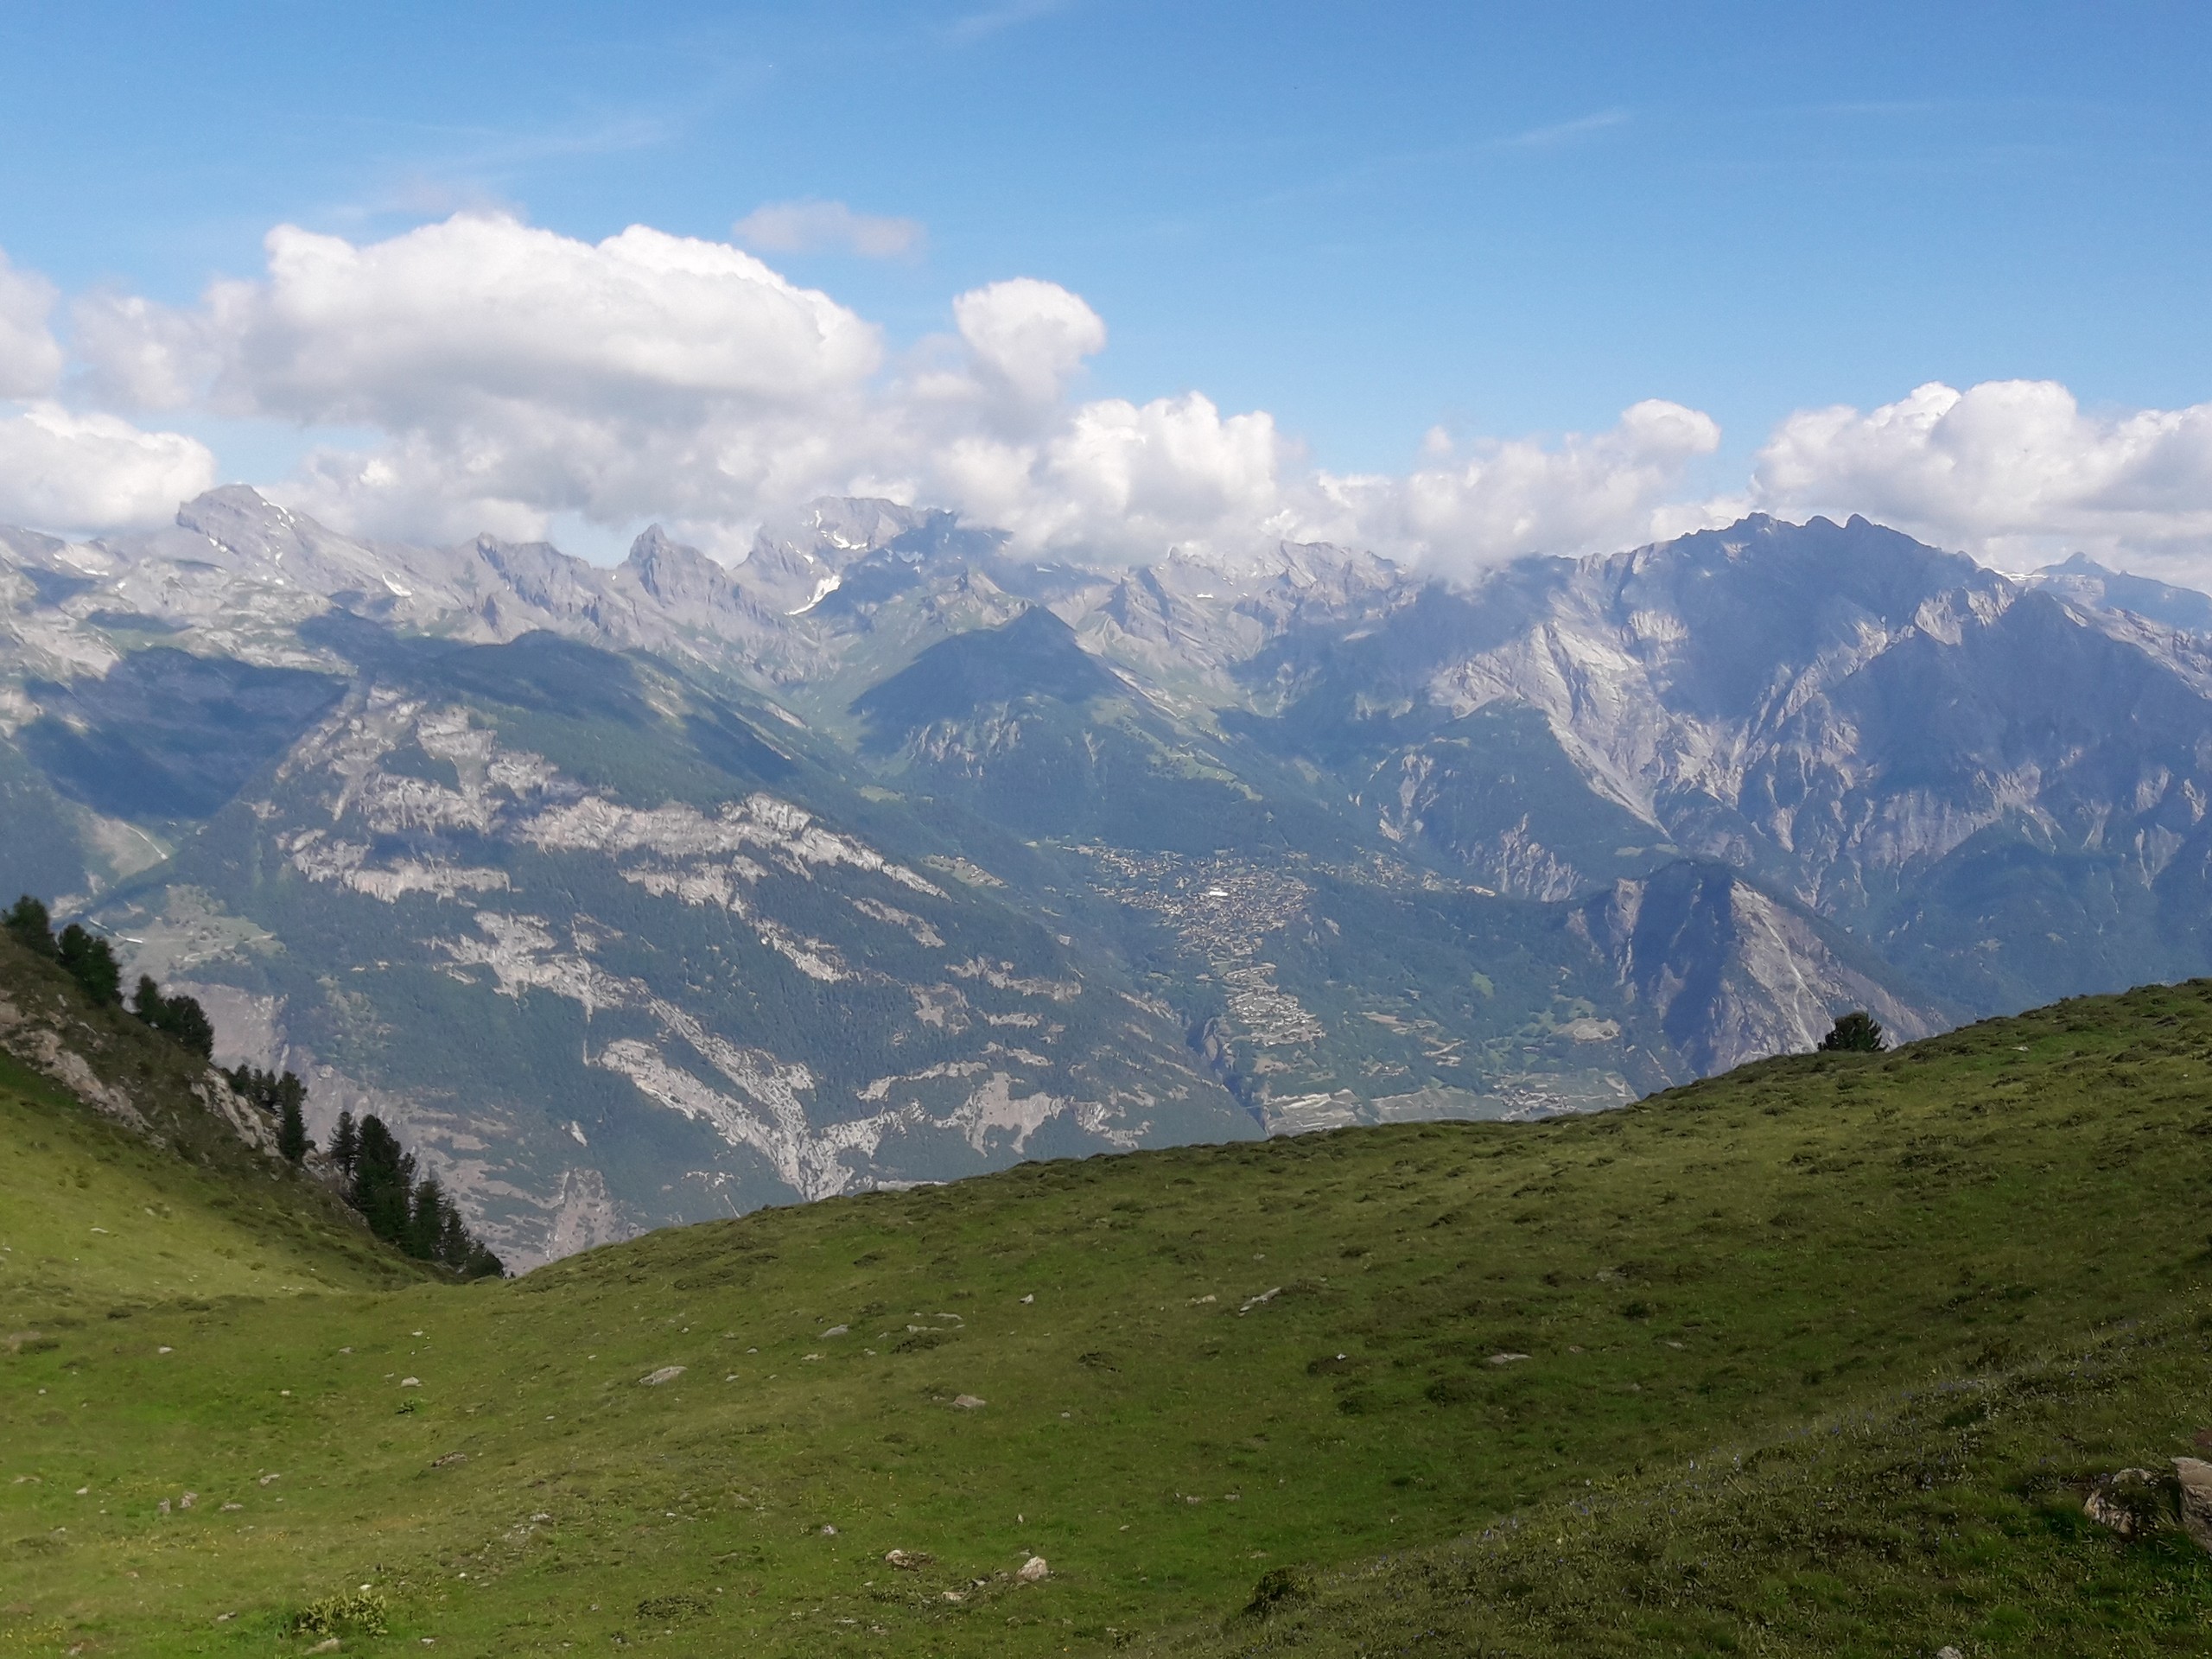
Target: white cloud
(135, 353)
(516, 373)
(1586, 492)
(2011, 471)
(1129, 481)
(812, 227)
(1566, 132)
(1030, 337)
(30, 357)
(70, 472)
(480, 373)
(476, 315)
(509, 374)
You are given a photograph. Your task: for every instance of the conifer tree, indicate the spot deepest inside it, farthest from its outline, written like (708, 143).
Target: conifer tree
(402, 1204)
(91, 961)
(346, 1144)
(189, 1024)
(292, 1124)
(30, 926)
(426, 1221)
(455, 1245)
(179, 1018)
(1855, 1033)
(384, 1178)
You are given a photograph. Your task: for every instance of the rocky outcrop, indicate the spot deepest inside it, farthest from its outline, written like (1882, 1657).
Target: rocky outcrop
(1733, 974)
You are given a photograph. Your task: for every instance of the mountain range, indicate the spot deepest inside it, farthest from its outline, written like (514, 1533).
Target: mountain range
(643, 894)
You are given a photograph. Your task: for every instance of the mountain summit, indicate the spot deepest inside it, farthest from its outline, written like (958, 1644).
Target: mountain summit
(634, 894)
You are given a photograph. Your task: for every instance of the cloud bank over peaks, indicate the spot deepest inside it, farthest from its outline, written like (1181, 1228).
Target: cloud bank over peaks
(1585, 493)
(2011, 470)
(74, 471)
(508, 374)
(480, 373)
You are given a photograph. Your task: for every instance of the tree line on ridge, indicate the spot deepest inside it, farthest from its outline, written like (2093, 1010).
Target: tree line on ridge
(403, 1204)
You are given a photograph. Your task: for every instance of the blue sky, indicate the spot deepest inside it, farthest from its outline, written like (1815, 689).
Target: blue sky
(1368, 221)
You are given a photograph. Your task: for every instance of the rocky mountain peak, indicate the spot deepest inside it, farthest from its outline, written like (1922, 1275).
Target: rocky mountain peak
(236, 516)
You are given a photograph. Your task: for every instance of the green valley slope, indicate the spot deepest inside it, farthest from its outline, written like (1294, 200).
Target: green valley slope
(154, 1202)
(1169, 1372)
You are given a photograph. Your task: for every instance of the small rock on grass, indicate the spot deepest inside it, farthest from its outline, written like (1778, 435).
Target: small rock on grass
(967, 1402)
(1033, 1569)
(2196, 1478)
(665, 1374)
(910, 1561)
(2126, 1502)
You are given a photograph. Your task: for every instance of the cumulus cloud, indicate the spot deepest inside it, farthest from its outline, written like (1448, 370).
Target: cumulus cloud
(133, 354)
(2011, 471)
(1027, 336)
(65, 470)
(480, 373)
(511, 374)
(1129, 480)
(515, 373)
(1586, 492)
(474, 315)
(813, 226)
(30, 357)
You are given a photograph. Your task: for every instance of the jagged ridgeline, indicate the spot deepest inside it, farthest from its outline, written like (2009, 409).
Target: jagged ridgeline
(403, 1204)
(888, 855)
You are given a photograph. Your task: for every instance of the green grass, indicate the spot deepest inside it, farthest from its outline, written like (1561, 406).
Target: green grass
(1868, 1244)
(1951, 1516)
(96, 1223)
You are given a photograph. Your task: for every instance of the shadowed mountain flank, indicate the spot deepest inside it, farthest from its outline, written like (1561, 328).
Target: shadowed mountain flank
(1033, 658)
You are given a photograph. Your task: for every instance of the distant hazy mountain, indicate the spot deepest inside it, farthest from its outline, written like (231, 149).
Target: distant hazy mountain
(2085, 582)
(641, 893)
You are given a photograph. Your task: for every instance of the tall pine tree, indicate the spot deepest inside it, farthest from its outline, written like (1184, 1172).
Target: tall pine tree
(426, 1223)
(179, 1017)
(346, 1145)
(384, 1179)
(291, 1119)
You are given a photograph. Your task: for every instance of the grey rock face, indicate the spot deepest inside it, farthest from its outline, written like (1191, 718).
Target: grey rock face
(650, 891)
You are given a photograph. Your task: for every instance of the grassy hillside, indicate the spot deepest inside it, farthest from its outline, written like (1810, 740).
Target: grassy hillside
(99, 1220)
(1917, 1294)
(1950, 1515)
